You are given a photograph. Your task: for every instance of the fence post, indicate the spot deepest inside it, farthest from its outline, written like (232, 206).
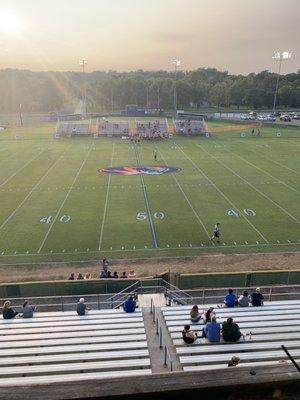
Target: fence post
(62, 303)
(165, 356)
(270, 294)
(151, 306)
(98, 300)
(153, 317)
(157, 326)
(160, 338)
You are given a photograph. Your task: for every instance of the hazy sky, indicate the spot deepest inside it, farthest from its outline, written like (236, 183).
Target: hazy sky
(235, 35)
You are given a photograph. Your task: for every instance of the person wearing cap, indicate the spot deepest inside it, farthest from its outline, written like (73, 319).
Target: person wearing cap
(257, 299)
(81, 307)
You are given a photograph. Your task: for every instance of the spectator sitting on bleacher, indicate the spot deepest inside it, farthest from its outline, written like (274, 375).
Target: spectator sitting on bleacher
(209, 314)
(212, 330)
(257, 299)
(243, 300)
(27, 310)
(8, 312)
(188, 336)
(115, 275)
(231, 331)
(230, 299)
(108, 275)
(129, 305)
(87, 276)
(80, 276)
(81, 309)
(123, 275)
(195, 315)
(71, 277)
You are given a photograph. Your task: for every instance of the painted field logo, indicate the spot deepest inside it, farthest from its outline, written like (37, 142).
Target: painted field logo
(140, 170)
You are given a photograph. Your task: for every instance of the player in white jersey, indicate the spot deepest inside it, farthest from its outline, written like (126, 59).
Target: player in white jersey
(217, 233)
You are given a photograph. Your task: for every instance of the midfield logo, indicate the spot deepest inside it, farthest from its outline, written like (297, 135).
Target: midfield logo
(140, 170)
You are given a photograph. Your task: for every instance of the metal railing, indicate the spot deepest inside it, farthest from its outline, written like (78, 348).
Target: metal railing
(216, 295)
(167, 357)
(172, 293)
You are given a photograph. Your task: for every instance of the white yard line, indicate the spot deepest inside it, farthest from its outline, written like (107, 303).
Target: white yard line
(273, 161)
(20, 169)
(187, 199)
(106, 200)
(30, 193)
(265, 172)
(224, 195)
(157, 249)
(253, 187)
(65, 199)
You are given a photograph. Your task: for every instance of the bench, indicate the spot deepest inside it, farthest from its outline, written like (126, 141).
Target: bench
(48, 379)
(71, 349)
(80, 366)
(77, 340)
(71, 334)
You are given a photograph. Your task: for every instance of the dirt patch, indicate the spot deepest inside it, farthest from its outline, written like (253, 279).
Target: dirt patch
(153, 266)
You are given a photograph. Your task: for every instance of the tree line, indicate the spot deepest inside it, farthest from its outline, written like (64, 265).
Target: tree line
(111, 91)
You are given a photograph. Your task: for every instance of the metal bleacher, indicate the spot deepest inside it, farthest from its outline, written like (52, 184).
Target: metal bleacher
(189, 127)
(272, 325)
(64, 347)
(73, 128)
(105, 127)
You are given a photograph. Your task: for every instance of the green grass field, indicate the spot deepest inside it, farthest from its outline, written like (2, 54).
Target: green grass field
(56, 206)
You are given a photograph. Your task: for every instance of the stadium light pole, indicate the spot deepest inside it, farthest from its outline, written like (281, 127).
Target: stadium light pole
(279, 56)
(176, 64)
(83, 63)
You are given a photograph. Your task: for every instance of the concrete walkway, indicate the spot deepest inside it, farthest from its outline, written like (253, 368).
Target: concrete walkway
(154, 322)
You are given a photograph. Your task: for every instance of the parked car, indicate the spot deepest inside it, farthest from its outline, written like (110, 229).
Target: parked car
(262, 118)
(285, 118)
(296, 116)
(271, 118)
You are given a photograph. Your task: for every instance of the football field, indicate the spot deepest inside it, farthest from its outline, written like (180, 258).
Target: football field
(57, 205)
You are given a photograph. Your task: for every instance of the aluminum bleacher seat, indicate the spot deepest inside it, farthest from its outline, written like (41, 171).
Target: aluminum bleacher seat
(62, 346)
(271, 325)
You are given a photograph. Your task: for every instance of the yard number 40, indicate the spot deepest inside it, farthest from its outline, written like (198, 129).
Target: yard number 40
(49, 218)
(247, 211)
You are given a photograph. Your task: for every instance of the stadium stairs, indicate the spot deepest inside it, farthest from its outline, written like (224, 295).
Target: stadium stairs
(60, 355)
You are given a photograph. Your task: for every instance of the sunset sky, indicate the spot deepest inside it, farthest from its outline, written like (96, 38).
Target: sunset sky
(235, 35)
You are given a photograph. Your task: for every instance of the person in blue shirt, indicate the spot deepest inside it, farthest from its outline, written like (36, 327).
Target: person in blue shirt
(230, 299)
(81, 307)
(212, 330)
(129, 305)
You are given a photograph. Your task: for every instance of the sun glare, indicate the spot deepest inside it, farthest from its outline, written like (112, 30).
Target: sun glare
(9, 23)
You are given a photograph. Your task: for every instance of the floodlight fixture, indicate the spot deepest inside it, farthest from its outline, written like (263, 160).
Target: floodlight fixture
(176, 63)
(82, 63)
